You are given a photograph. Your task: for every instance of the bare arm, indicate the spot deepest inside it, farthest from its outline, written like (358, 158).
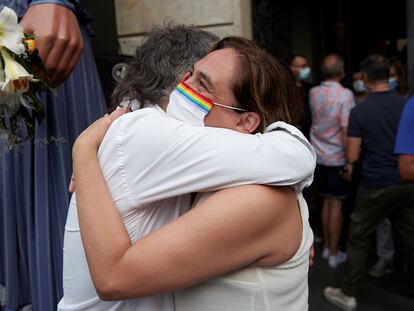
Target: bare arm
(406, 167)
(195, 159)
(233, 228)
(353, 151)
(344, 133)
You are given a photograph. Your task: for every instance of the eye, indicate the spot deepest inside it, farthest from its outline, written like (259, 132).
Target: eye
(203, 85)
(187, 75)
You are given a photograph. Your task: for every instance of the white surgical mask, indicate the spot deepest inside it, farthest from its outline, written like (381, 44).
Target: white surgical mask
(189, 106)
(304, 73)
(359, 86)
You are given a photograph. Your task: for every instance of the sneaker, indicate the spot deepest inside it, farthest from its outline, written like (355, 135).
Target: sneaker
(337, 297)
(2, 296)
(335, 261)
(380, 268)
(325, 253)
(317, 238)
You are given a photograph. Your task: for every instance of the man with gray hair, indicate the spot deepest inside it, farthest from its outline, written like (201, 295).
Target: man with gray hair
(159, 64)
(330, 105)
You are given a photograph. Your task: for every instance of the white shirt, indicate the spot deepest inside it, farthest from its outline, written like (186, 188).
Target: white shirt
(150, 187)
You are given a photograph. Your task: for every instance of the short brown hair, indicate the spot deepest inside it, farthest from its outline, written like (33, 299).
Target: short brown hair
(332, 66)
(262, 84)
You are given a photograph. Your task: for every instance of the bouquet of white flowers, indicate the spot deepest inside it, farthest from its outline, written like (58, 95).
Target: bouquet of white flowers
(22, 76)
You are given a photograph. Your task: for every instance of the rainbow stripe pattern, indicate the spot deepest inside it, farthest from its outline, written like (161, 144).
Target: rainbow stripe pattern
(194, 97)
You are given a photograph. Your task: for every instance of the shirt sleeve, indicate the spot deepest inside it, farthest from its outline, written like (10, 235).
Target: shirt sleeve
(178, 158)
(70, 4)
(347, 105)
(354, 125)
(405, 137)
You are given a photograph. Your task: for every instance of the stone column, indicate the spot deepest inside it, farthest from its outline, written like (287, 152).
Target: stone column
(222, 17)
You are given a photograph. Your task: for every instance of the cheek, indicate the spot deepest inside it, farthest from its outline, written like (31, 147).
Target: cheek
(222, 119)
(211, 119)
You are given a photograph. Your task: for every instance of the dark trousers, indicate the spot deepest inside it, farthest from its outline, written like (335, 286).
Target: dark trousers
(373, 206)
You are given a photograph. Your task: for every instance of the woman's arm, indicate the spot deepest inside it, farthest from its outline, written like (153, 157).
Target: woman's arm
(406, 167)
(231, 229)
(152, 148)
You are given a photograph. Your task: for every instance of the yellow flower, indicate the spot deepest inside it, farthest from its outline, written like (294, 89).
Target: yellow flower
(31, 45)
(11, 33)
(16, 76)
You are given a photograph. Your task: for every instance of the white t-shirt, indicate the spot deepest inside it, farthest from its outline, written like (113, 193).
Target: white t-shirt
(150, 188)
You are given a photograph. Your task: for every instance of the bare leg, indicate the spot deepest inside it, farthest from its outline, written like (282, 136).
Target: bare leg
(325, 222)
(335, 224)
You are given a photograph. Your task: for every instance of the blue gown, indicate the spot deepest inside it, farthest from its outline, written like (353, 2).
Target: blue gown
(33, 188)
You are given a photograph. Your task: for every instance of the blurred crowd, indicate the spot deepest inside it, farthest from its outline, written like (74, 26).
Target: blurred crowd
(363, 136)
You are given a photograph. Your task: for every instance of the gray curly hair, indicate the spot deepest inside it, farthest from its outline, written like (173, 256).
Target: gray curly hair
(160, 63)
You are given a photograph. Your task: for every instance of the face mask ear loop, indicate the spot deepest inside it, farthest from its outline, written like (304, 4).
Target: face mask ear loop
(230, 107)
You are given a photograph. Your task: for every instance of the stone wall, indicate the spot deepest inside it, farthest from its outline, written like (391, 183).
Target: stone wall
(135, 18)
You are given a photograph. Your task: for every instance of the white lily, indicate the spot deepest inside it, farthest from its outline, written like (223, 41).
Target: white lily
(11, 33)
(16, 78)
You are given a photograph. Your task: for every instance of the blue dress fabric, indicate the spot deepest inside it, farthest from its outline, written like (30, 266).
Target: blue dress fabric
(33, 188)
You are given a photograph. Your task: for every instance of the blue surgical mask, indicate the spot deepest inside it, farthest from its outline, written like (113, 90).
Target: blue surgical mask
(392, 83)
(304, 73)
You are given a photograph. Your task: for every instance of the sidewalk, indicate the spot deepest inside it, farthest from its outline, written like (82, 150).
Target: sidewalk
(382, 294)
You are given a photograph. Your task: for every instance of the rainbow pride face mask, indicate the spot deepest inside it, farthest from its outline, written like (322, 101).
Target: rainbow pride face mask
(189, 106)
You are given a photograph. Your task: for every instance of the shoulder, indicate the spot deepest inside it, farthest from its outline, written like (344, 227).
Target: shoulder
(150, 123)
(407, 116)
(274, 200)
(410, 102)
(409, 108)
(397, 97)
(256, 208)
(316, 89)
(366, 105)
(347, 93)
(357, 113)
(132, 132)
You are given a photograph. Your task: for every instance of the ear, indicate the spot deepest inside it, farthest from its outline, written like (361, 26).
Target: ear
(248, 122)
(364, 77)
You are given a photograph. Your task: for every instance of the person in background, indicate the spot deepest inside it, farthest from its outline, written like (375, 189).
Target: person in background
(373, 127)
(330, 105)
(404, 145)
(301, 70)
(33, 180)
(398, 76)
(360, 90)
(299, 66)
(385, 239)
